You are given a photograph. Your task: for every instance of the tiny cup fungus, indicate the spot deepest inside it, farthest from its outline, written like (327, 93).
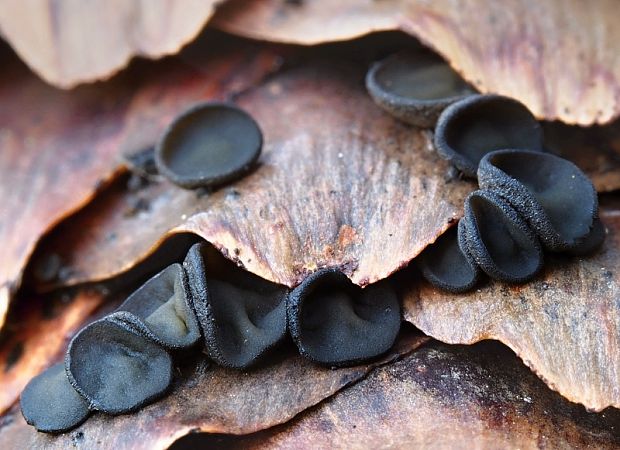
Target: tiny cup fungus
(415, 86)
(51, 404)
(208, 145)
(337, 323)
(479, 124)
(242, 316)
(500, 241)
(448, 265)
(164, 309)
(555, 196)
(115, 368)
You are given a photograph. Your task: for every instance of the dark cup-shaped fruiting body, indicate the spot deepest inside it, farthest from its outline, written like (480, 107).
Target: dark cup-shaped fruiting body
(447, 265)
(164, 310)
(116, 368)
(470, 128)
(51, 404)
(242, 316)
(415, 86)
(499, 240)
(591, 242)
(552, 194)
(208, 145)
(336, 323)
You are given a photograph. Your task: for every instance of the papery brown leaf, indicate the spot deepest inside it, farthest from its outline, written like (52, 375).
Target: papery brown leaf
(38, 334)
(339, 183)
(68, 42)
(558, 57)
(436, 398)
(58, 148)
(565, 324)
(210, 399)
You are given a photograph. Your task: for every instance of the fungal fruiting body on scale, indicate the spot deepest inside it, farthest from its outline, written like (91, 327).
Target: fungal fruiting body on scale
(124, 361)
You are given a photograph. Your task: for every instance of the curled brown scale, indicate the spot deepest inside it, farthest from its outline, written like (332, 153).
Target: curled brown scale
(447, 264)
(337, 323)
(499, 240)
(415, 86)
(51, 404)
(115, 367)
(470, 128)
(555, 196)
(163, 307)
(242, 316)
(208, 145)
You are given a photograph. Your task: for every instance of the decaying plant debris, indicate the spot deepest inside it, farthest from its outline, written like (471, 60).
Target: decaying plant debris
(339, 184)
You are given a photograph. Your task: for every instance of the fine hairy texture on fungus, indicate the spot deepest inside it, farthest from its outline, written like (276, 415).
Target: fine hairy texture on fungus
(162, 306)
(499, 240)
(334, 322)
(242, 316)
(209, 144)
(557, 199)
(68, 42)
(573, 306)
(470, 128)
(448, 264)
(212, 399)
(116, 369)
(558, 56)
(40, 327)
(415, 86)
(51, 404)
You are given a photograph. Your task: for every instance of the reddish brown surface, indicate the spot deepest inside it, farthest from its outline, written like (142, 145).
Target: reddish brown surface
(559, 57)
(57, 148)
(210, 399)
(565, 324)
(439, 397)
(340, 183)
(39, 331)
(68, 42)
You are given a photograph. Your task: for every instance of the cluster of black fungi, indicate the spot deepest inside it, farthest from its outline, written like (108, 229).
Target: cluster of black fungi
(529, 200)
(124, 361)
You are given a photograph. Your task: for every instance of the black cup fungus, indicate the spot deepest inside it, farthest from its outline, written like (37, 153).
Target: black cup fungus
(415, 86)
(115, 368)
(470, 128)
(164, 308)
(447, 265)
(336, 323)
(242, 316)
(51, 404)
(552, 194)
(208, 145)
(500, 241)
